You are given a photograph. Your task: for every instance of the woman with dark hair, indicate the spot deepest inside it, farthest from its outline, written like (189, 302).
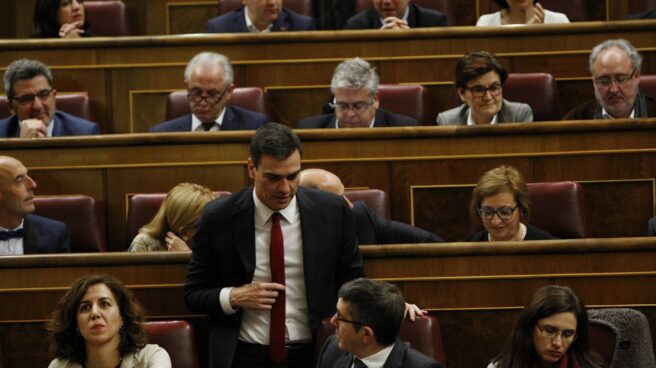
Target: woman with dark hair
(59, 18)
(502, 201)
(98, 324)
(520, 12)
(479, 83)
(551, 332)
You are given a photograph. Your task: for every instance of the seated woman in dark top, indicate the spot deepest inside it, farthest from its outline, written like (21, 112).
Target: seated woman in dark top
(59, 18)
(502, 201)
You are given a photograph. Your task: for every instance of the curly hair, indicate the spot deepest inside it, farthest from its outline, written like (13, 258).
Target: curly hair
(69, 344)
(502, 179)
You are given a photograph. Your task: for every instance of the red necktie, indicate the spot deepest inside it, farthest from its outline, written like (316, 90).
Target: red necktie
(277, 258)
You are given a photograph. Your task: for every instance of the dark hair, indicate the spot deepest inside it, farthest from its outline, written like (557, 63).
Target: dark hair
(273, 139)
(44, 23)
(504, 3)
(377, 304)
(69, 344)
(519, 350)
(24, 69)
(475, 64)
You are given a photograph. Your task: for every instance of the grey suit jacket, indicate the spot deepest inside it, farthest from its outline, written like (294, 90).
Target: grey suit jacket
(511, 112)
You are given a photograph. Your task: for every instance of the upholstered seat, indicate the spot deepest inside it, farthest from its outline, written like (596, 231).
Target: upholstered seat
(303, 7)
(538, 90)
(377, 200)
(408, 100)
(424, 335)
(446, 7)
(73, 103)
(648, 85)
(249, 98)
(576, 10)
(107, 18)
(82, 215)
(177, 338)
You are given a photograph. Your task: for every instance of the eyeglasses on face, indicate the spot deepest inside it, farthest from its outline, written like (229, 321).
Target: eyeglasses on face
(339, 318)
(551, 332)
(356, 107)
(212, 97)
(620, 80)
(480, 91)
(29, 99)
(504, 213)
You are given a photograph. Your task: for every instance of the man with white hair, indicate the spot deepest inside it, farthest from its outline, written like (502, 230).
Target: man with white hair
(209, 77)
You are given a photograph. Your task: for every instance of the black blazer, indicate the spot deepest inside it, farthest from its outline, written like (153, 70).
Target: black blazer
(532, 233)
(235, 22)
(418, 17)
(401, 356)
(372, 229)
(65, 125)
(224, 255)
(383, 119)
(235, 118)
(44, 235)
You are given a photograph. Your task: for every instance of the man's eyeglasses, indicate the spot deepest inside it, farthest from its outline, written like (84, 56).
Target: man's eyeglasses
(621, 80)
(340, 319)
(551, 332)
(504, 213)
(357, 107)
(480, 91)
(29, 99)
(212, 97)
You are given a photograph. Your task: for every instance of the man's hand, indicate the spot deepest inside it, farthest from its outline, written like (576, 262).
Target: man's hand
(71, 30)
(538, 15)
(412, 311)
(258, 295)
(394, 23)
(174, 243)
(33, 128)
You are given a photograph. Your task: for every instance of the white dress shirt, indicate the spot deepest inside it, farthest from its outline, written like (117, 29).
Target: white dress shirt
(197, 125)
(13, 246)
(377, 360)
(251, 27)
(470, 119)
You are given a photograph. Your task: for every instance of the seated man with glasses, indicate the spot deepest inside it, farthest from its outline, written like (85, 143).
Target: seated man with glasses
(355, 85)
(209, 77)
(479, 83)
(615, 68)
(502, 201)
(31, 102)
(367, 324)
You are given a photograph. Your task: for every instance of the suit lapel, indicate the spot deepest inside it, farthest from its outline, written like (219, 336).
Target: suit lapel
(282, 23)
(59, 129)
(13, 129)
(345, 361)
(333, 122)
(245, 218)
(374, 18)
(30, 241)
(412, 16)
(395, 359)
(229, 120)
(381, 119)
(310, 236)
(240, 21)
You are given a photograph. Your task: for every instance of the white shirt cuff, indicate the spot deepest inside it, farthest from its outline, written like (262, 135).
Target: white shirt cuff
(224, 298)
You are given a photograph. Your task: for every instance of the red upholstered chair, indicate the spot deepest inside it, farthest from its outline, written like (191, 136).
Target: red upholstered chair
(424, 335)
(648, 84)
(177, 338)
(107, 18)
(249, 98)
(82, 215)
(408, 100)
(303, 7)
(377, 200)
(142, 208)
(443, 6)
(576, 10)
(538, 90)
(73, 103)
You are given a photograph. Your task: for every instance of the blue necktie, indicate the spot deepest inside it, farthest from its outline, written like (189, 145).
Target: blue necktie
(6, 235)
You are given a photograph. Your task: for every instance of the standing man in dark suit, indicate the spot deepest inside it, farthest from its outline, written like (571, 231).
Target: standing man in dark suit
(396, 14)
(209, 77)
(260, 16)
(31, 101)
(355, 85)
(21, 232)
(370, 228)
(367, 324)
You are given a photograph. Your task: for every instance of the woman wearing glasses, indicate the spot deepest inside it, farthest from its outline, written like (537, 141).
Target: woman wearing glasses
(502, 202)
(551, 332)
(479, 83)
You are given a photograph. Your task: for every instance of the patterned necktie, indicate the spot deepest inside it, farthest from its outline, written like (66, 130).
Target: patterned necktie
(208, 125)
(6, 235)
(277, 258)
(357, 363)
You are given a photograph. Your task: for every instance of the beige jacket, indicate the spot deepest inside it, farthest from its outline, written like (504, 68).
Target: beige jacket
(151, 356)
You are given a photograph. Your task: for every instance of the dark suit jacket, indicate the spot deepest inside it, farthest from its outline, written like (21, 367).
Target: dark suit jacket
(418, 17)
(383, 119)
(235, 118)
(44, 235)
(532, 233)
(401, 356)
(224, 255)
(652, 227)
(234, 22)
(372, 229)
(65, 125)
(592, 110)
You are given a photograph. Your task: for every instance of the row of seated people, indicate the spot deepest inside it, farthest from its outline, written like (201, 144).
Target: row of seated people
(75, 18)
(212, 102)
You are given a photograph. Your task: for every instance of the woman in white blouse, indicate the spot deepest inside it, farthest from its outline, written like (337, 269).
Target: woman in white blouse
(520, 12)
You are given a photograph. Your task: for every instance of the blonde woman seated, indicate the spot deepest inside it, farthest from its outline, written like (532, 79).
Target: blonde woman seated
(520, 12)
(175, 223)
(479, 82)
(502, 201)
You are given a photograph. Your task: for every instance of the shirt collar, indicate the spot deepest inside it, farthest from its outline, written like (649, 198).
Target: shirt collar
(20, 226)
(606, 115)
(263, 213)
(251, 27)
(378, 359)
(196, 124)
(470, 119)
(404, 17)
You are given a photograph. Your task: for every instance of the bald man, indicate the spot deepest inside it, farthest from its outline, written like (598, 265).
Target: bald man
(370, 228)
(21, 232)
